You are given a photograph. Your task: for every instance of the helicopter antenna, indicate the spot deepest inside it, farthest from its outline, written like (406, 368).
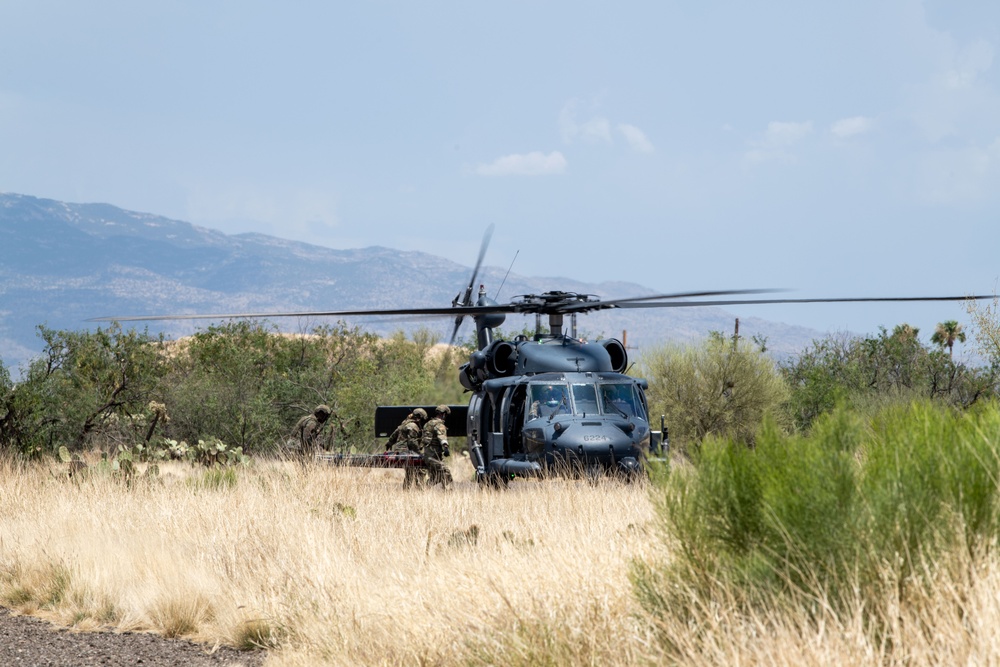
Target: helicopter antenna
(506, 274)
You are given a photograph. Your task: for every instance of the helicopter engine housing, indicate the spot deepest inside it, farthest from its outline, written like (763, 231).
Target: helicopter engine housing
(619, 357)
(501, 358)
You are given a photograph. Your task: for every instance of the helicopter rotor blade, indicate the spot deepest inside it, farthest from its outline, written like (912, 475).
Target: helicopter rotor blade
(471, 310)
(467, 300)
(487, 235)
(863, 299)
(622, 303)
(454, 331)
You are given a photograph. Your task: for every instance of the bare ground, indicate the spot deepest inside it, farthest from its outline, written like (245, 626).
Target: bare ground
(25, 640)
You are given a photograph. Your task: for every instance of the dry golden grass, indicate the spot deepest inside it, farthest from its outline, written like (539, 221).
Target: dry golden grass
(953, 622)
(331, 566)
(334, 566)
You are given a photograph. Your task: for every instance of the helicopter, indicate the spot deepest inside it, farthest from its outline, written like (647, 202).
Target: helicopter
(551, 404)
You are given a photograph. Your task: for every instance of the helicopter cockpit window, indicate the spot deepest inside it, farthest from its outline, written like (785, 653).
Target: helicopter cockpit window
(620, 399)
(547, 400)
(585, 399)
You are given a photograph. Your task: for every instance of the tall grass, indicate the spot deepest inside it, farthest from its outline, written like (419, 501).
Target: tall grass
(854, 524)
(871, 541)
(333, 566)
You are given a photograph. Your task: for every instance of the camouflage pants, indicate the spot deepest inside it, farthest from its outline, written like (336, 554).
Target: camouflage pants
(414, 477)
(437, 471)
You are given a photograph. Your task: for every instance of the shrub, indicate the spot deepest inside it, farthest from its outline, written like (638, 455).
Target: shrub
(717, 388)
(848, 511)
(87, 387)
(870, 373)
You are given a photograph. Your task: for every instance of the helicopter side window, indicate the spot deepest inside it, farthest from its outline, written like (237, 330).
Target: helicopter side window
(548, 400)
(639, 402)
(585, 399)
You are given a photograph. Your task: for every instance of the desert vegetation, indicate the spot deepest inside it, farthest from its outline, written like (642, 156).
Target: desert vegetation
(837, 508)
(331, 566)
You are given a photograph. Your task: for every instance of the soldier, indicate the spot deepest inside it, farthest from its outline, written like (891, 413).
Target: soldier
(307, 430)
(548, 400)
(406, 438)
(435, 441)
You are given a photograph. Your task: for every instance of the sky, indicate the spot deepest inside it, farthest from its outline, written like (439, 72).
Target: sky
(833, 149)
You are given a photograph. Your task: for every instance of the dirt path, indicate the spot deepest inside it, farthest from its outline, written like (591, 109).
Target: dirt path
(25, 640)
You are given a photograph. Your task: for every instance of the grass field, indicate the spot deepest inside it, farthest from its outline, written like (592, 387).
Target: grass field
(342, 567)
(332, 565)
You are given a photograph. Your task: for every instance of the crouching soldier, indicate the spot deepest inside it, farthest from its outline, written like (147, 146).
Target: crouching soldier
(435, 441)
(307, 431)
(405, 439)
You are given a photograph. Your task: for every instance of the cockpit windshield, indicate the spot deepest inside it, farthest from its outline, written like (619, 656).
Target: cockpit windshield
(584, 398)
(620, 398)
(547, 400)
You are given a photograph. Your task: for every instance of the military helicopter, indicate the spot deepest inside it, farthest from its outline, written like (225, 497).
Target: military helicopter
(548, 404)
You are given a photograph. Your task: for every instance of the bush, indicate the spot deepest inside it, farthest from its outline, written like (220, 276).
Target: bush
(87, 387)
(241, 383)
(871, 373)
(717, 388)
(852, 510)
(247, 385)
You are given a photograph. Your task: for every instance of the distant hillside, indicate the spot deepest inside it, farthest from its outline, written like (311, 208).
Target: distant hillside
(61, 264)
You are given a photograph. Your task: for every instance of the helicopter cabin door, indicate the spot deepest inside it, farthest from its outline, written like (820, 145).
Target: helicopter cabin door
(514, 413)
(489, 408)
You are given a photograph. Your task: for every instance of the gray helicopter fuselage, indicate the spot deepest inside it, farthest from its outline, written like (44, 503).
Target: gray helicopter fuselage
(562, 406)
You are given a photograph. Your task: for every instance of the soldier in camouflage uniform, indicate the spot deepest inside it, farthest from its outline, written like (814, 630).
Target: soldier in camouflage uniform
(406, 438)
(307, 431)
(435, 441)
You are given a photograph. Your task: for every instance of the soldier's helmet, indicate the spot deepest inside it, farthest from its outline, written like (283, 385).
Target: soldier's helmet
(420, 413)
(323, 411)
(442, 410)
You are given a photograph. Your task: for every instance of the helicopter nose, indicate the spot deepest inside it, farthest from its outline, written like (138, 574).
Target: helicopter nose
(599, 441)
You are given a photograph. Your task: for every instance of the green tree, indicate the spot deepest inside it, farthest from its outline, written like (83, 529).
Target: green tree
(243, 383)
(715, 388)
(6, 394)
(247, 384)
(826, 373)
(946, 333)
(870, 372)
(986, 328)
(86, 388)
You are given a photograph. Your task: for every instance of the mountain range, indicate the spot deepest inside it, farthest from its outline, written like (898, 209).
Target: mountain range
(62, 264)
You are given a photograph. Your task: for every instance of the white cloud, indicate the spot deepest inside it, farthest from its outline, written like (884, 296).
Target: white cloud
(636, 138)
(535, 163)
(596, 130)
(778, 140)
(850, 127)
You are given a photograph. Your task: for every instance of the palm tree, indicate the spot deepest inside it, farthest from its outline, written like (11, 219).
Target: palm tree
(946, 333)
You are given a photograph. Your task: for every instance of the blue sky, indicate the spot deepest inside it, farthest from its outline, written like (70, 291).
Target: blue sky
(836, 149)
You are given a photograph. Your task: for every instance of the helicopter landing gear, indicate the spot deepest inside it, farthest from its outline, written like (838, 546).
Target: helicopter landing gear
(492, 480)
